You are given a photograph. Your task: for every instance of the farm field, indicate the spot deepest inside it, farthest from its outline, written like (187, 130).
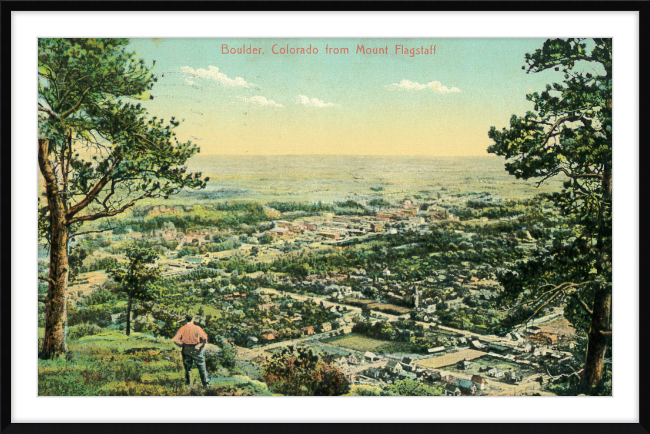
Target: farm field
(450, 359)
(363, 344)
(561, 326)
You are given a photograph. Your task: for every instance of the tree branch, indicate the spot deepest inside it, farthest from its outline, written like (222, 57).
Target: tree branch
(90, 232)
(107, 213)
(71, 87)
(108, 196)
(77, 105)
(557, 123)
(93, 192)
(559, 289)
(47, 279)
(576, 176)
(551, 174)
(48, 111)
(582, 303)
(542, 306)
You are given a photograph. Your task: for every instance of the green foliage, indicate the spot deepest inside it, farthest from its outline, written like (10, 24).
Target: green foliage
(372, 391)
(301, 372)
(568, 134)
(136, 277)
(266, 239)
(81, 330)
(379, 203)
(574, 388)
(102, 296)
(87, 90)
(228, 355)
(222, 246)
(406, 387)
(299, 206)
(107, 263)
(97, 315)
(75, 260)
(212, 362)
(110, 364)
(188, 251)
(409, 387)
(392, 332)
(221, 216)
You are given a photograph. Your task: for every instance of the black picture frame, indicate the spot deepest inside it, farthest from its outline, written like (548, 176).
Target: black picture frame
(6, 9)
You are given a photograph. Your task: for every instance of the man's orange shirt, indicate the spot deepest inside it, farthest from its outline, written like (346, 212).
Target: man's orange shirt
(190, 334)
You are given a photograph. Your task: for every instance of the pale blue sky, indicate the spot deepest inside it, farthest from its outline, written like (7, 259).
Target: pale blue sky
(355, 103)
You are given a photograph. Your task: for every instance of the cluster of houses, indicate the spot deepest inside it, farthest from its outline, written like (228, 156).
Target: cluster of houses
(335, 227)
(342, 324)
(477, 383)
(234, 296)
(394, 370)
(492, 371)
(463, 386)
(383, 369)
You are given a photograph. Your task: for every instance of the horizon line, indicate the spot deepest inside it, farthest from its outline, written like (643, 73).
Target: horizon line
(342, 155)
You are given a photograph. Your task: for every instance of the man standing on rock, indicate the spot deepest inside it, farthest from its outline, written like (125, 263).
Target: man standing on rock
(192, 339)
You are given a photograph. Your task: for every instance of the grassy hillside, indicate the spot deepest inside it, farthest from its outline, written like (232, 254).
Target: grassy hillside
(108, 363)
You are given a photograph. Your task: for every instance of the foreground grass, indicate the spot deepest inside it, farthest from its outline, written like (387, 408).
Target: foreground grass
(111, 364)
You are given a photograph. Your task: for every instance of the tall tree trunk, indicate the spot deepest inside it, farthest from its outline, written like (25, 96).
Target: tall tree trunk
(600, 333)
(599, 338)
(54, 340)
(128, 316)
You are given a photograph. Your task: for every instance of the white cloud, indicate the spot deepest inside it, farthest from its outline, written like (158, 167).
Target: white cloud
(190, 82)
(212, 73)
(259, 100)
(412, 86)
(314, 102)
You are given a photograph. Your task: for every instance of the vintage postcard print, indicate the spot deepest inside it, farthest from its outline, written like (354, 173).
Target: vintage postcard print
(341, 217)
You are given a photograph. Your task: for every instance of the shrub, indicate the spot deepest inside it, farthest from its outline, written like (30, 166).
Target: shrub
(128, 388)
(301, 372)
(90, 315)
(408, 387)
(266, 239)
(221, 391)
(81, 330)
(129, 371)
(146, 324)
(100, 297)
(65, 382)
(379, 203)
(371, 391)
(228, 356)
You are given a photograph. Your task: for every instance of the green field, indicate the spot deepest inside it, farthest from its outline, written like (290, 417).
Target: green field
(362, 343)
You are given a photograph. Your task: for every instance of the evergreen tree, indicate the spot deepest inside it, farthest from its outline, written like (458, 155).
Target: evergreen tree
(98, 151)
(569, 134)
(136, 278)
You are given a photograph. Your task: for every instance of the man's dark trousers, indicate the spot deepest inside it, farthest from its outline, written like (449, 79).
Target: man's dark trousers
(191, 357)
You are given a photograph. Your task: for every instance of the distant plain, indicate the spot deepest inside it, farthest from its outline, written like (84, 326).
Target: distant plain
(331, 178)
